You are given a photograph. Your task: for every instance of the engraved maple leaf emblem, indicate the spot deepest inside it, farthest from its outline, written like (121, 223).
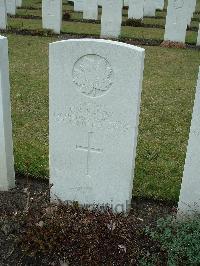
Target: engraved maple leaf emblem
(93, 75)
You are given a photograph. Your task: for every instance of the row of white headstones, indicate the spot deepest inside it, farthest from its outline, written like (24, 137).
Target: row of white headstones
(94, 115)
(8, 7)
(179, 14)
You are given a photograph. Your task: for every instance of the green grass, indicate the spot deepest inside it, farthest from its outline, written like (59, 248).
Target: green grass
(29, 83)
(178, 239)
(94, 29)
(168, 91)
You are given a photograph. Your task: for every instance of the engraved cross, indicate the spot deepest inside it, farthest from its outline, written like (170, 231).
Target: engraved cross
(89, 149)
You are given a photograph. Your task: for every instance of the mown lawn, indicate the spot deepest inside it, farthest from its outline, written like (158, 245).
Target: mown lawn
(168, 91)
(94, 29)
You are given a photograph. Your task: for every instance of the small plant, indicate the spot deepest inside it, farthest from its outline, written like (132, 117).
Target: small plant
(170, 44)
(134, 22)
(66, 16)
(180, 239)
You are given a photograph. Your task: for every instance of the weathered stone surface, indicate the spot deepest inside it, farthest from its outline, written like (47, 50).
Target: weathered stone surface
(7, 175)
(189, 200)
(94, 115)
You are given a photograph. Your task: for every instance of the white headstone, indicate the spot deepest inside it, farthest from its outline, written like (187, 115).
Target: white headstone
(3, 14)
(90, 10)
(18, 3)
(126, 2)
(94, 116)
(191, 10)
(198, 36)
(149, 8)
(111, 18)
(11, 7)
(100, 2)
(7, 175)
(52, 15)
(176, 21)
(78, 5)
(189, 200)
(159, 4)
(136, 9)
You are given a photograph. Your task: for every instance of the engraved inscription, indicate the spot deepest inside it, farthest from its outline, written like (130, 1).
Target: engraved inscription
(93, 75)
(91, 115)
(89, 149)
(81, 189)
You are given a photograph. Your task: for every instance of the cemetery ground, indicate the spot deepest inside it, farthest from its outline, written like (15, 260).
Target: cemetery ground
(49, 234)
(168, 93)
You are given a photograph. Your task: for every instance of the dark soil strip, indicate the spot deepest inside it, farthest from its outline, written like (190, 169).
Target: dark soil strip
(34, 232)
(63, 35)
(157, 17)
(25, 16)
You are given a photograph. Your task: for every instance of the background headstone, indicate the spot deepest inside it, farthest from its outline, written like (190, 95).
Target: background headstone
(111, 18)
(7, 175)
(78, 5)
(126, 2)
(52, 15)
(191, 10)
(149, 8)
(176, 21)
(189, 200)
(94, 116)
(18, 3)
(3, 14)
(90, 10)
(198, 36)
(100, 2)
(11, 7)
(136, 9)
(159, 4)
